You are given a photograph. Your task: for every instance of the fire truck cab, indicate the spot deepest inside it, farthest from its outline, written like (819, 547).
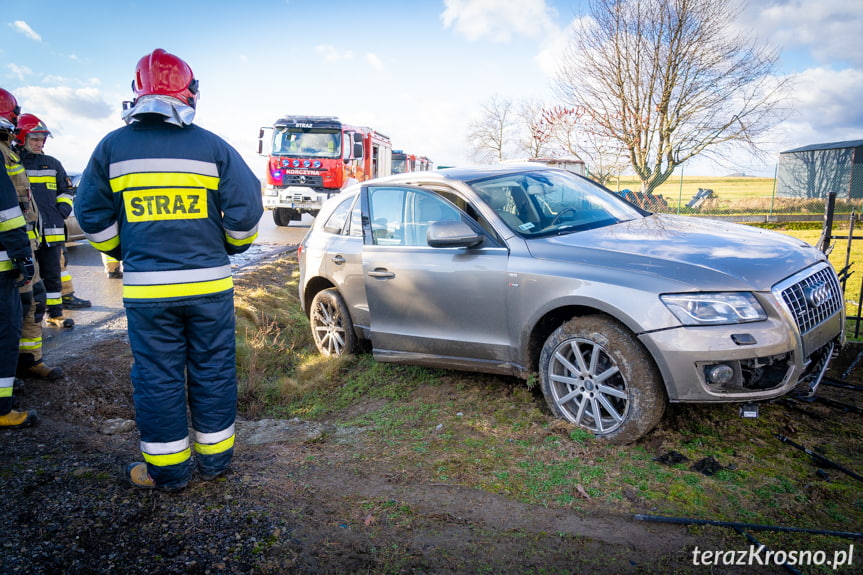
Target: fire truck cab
(310, 158)
(405, 162)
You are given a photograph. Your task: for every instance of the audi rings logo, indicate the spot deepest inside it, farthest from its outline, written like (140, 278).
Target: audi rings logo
(817, 294)
(302, 179)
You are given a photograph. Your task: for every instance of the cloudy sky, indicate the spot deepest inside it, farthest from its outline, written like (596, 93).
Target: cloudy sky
(417, 71)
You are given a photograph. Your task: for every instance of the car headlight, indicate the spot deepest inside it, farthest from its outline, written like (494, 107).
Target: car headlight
(714, 308)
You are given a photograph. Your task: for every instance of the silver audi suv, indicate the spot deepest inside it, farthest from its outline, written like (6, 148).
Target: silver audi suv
(524, 269)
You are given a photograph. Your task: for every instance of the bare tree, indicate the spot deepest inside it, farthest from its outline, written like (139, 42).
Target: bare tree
(538, 130)
(670, 79)
(494, 132)
(604, 156)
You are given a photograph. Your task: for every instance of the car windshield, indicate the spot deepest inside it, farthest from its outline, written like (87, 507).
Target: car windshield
(304, 142)
(552, 202)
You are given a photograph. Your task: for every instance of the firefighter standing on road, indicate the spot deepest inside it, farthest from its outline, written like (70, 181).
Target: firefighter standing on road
(16, 266)
(172, 201)
(50, 187)
(32, 294)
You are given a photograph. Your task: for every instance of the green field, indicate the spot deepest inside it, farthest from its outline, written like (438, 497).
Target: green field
(755, 195)
(727, 187)
(731, 196)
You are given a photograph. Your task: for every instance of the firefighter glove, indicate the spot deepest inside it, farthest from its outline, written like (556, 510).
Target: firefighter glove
(26, 268)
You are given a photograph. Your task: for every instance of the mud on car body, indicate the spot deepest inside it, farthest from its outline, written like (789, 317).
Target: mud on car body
(524, 269)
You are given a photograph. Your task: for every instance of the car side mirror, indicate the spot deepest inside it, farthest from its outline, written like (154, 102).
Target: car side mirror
(452, 234)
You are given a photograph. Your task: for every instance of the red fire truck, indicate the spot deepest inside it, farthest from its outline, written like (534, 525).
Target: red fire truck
(311, 158)
(404, 162)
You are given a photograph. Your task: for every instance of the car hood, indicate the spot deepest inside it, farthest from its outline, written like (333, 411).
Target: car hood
(698, 253)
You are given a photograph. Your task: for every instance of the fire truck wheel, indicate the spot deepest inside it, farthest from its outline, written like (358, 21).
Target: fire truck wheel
(282, 216)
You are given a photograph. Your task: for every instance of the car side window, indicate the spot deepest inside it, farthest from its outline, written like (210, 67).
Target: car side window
(423, 209)
(401, 216)
(470, 210)
(336, 222)
(356, 224)
(386, 214)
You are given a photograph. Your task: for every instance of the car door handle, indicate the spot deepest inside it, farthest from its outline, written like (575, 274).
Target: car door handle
(382, 273)
(338, 260)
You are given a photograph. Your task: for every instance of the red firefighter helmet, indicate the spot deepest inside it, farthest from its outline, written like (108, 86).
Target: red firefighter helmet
(30, 124)
(161, 73)
(9, 107)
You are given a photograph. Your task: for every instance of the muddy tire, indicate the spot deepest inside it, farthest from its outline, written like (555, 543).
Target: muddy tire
(332, 328)
(283, 216)
(596, 374)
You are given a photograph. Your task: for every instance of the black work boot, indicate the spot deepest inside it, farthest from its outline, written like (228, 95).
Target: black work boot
(72, 301)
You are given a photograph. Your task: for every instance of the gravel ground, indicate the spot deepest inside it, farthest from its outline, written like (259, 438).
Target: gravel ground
(292, 502)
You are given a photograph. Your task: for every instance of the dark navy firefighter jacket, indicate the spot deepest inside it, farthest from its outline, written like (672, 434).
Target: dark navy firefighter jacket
(171, 208)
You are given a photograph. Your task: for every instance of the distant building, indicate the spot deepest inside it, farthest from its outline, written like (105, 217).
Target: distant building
(575, 165)
(816, 170)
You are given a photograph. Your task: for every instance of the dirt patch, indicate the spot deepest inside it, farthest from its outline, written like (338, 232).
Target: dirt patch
(297, 505)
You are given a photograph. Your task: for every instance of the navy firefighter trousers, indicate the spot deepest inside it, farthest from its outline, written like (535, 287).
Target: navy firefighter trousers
(187, 349)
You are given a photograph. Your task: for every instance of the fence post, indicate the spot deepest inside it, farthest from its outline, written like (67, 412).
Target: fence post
(827, 230)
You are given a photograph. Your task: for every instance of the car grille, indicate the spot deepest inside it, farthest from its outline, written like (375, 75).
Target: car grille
(813, 299)
(302, 180)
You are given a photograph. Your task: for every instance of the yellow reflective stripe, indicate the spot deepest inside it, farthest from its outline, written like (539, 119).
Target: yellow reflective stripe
(11, 213)
(6, 265)
(29, 344)
(106, 239)
(65, 276)
(6, 386)
(54, 238)
(34, 179)
(177, 290)
(53, 301)
(14, 169)
(168, 458)
(12, 224)
(106, 246)
(64, 199)
(164, 180)
(213, 448)
(240, 241)
(167, 453)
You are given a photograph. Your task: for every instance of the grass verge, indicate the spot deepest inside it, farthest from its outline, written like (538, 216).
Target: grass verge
(494, 433)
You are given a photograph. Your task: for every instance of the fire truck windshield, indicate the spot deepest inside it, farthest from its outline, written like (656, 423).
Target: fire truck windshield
(307, 143)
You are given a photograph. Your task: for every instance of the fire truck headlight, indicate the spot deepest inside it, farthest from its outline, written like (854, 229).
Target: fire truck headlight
(306, 164)
(317, 164)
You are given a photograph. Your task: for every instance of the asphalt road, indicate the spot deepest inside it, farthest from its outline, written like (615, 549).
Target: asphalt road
(91, 283)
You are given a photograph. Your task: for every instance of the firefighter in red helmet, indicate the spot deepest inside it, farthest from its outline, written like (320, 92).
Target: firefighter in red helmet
(172, 201)
(16, 268)
(51, 189)
(30, 362)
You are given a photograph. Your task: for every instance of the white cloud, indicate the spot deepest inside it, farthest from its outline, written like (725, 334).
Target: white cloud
(498, 20)
(829, 29)
(19, 72)
(78, 119)
(62, 101)
(22, 27)
(332, 54)
(375, 62)
(826, 107)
